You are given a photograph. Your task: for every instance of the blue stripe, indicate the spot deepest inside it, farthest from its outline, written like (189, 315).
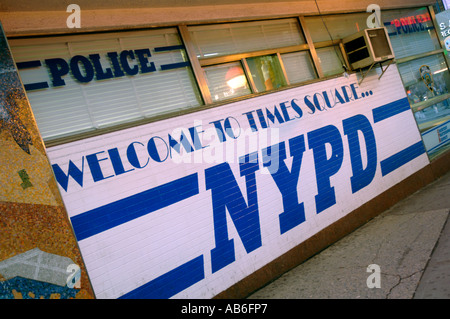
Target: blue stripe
(114, 214)
(391, 109)
(36, 86)
(174, 65)
(401, 158)
(169, 48)
(435, 128)
(28, 64)
(170, 283)
(431, 150)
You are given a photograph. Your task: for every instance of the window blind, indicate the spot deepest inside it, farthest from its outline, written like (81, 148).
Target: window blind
(232, 38)
(331, 60)
(217, 77)
(298, 66)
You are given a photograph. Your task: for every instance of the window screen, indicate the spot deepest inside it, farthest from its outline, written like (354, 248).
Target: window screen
(83, 83)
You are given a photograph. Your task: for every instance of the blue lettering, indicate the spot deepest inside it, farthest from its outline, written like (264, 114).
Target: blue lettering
(226, 195)
(297, 109)
(361, 177)
(287, 181)
(345, 93)
(74, 171)
(327, 100)
(143, 55)
(262, 119)
(285, 112)
(116, 162)
(326, 167)
(339, 97)
(176, 145)
(219, 129)
(124, 55)
(132, 156)
(355, 94)
(113, 57)
(422, 27)
(196, 138)
(58, 68)
(389, 23)
(317, 103)
(153, 150)
(404, 25)
(94, 165)
(309, 104)
(100, 74)
(87, 66)
(229, 129)
(271, 117)
(251, 121)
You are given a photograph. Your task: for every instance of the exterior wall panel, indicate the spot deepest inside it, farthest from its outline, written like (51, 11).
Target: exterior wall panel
(192, 226)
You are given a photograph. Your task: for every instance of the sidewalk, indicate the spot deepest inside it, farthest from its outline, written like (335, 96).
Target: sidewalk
(410, 243)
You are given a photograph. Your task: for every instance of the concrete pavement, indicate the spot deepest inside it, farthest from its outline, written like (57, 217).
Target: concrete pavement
(409, 243)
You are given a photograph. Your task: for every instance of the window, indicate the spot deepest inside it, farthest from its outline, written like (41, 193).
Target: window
(428, 94)
(266, 73)
(331, 60)
(411, 32)
(424, 73)
(82, 83)
(226, 81)
(261, 56)
(298, 66)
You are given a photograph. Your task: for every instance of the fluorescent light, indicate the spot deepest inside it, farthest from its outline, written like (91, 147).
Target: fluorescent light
(237, 82)
(439, 71)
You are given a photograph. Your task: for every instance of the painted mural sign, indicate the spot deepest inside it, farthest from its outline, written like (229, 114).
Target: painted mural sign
(187, 207)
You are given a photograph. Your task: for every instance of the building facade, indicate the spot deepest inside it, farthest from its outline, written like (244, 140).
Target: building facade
(200, 151)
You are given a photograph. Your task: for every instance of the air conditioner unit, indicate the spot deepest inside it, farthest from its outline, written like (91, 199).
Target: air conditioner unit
(368, 47)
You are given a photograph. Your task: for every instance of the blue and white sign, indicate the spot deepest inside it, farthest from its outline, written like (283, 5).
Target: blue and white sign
(437, 137)
(189, 206)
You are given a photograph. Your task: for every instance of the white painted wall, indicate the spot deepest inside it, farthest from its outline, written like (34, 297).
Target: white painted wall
(144, 249)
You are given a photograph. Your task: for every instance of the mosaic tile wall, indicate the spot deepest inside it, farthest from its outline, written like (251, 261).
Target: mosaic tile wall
(39, 255)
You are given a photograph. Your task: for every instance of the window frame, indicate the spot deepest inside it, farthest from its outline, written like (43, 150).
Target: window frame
(308, 46)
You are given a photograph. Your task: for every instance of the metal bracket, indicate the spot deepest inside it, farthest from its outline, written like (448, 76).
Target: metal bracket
(370, 68)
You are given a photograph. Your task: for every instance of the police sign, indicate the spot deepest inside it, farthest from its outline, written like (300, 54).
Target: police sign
(89, 68)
